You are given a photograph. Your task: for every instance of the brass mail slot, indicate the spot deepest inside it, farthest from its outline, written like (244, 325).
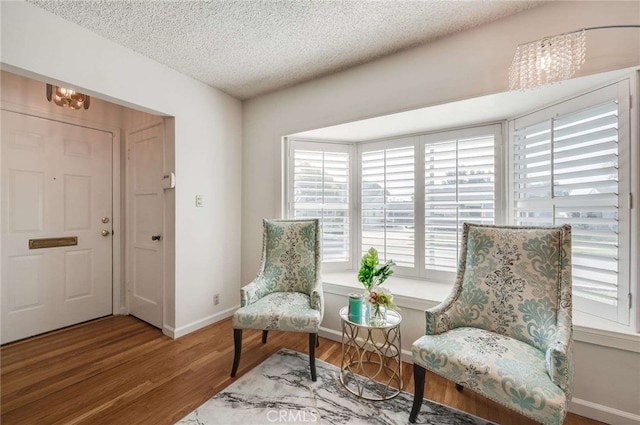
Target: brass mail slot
(52, 242)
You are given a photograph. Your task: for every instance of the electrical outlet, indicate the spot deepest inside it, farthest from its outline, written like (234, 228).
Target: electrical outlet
(216, 299)
(199, 201)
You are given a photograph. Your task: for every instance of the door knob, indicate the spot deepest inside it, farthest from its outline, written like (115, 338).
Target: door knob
(105, 233)
(156, 237)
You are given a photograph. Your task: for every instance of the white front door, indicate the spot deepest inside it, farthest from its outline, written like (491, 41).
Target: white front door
(145, 222)
(56, 225)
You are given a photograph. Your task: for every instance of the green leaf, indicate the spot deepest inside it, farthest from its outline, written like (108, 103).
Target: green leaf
(370, 275)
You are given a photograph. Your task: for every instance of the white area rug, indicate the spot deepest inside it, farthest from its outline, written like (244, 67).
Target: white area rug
(280, 390)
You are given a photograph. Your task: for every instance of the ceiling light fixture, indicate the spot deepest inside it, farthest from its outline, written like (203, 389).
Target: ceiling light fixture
(551, 59)
(66, 97)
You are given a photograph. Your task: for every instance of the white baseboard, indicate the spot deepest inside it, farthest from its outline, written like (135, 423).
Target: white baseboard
(331, 334)
(198, 324)
(169, 331)
(602, 413)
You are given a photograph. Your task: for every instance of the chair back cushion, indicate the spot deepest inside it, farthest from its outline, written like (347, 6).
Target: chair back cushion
(291, 255)
(513, 281)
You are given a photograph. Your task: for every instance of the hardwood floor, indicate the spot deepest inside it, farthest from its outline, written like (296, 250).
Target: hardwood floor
(119, 370)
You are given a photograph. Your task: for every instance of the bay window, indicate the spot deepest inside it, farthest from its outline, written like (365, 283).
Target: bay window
(409, 196)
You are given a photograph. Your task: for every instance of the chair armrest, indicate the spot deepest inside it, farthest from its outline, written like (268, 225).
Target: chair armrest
(316, 296)
(441, 318)
(559, 365)
(559, 354)
(253, 291)
(437, 321)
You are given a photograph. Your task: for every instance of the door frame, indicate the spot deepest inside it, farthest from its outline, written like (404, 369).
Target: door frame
(117, 305)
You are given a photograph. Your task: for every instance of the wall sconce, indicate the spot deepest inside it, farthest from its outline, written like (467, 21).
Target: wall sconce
(66, 97)
(550, 59)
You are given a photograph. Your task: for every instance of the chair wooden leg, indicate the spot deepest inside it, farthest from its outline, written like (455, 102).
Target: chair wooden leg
(237, 341)
(264, 336)
(312, 355)
(418, 391)
(459, 387)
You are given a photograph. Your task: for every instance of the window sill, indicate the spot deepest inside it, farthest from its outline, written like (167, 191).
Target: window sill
(422, 294)
(595, 330)
(409, 293)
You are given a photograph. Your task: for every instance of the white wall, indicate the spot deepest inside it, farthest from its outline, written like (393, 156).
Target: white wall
(207, 147)
(466, 65)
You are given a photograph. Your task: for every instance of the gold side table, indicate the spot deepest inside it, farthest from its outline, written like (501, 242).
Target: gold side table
(371, 365)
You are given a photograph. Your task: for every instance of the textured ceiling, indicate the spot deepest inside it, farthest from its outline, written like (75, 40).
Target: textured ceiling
(250, 47)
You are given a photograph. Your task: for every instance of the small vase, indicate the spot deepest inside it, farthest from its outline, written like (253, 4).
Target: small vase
(368, 306)
(378, 315)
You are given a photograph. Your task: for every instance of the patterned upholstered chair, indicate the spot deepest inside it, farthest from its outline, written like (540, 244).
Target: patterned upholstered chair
(287, 293)
(505, 331)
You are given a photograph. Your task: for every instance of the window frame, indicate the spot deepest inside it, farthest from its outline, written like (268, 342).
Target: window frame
(418, 141)
(393, 143)
(620, 92)
(291, 144)
(498, 130)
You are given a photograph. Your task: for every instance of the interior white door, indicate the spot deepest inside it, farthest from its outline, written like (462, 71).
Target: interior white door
(56, 183)
(145, 222)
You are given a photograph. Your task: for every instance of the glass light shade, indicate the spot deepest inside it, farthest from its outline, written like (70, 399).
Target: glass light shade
(63, 96)
(64, 92)
(59, 100)
(75, 104)
(79, 97)
(549, 60)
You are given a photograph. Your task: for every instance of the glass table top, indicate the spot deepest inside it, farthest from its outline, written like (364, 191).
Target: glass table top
(393, 318)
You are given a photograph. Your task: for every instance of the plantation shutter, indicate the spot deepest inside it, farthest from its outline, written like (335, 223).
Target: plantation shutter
(567, 170)
(532, 175)
(321, 190)
(459, 187)
(387, 203)
(585, 186)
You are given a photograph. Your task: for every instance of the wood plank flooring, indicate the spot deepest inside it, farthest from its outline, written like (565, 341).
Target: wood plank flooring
(119, 370)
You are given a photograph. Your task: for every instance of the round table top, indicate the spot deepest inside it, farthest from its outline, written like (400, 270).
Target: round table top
(393, 319)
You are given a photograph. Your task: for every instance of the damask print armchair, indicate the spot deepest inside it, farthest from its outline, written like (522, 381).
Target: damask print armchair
(505, 331)
(287, 293)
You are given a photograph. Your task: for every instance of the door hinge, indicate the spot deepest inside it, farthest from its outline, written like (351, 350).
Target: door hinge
(630, 200)
(129, 154)
(629, 297)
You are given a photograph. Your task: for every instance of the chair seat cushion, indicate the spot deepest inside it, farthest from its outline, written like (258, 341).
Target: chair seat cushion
(284, 311)
(501, 368)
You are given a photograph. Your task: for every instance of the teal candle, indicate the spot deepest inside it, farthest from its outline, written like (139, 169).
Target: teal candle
(355, 306)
